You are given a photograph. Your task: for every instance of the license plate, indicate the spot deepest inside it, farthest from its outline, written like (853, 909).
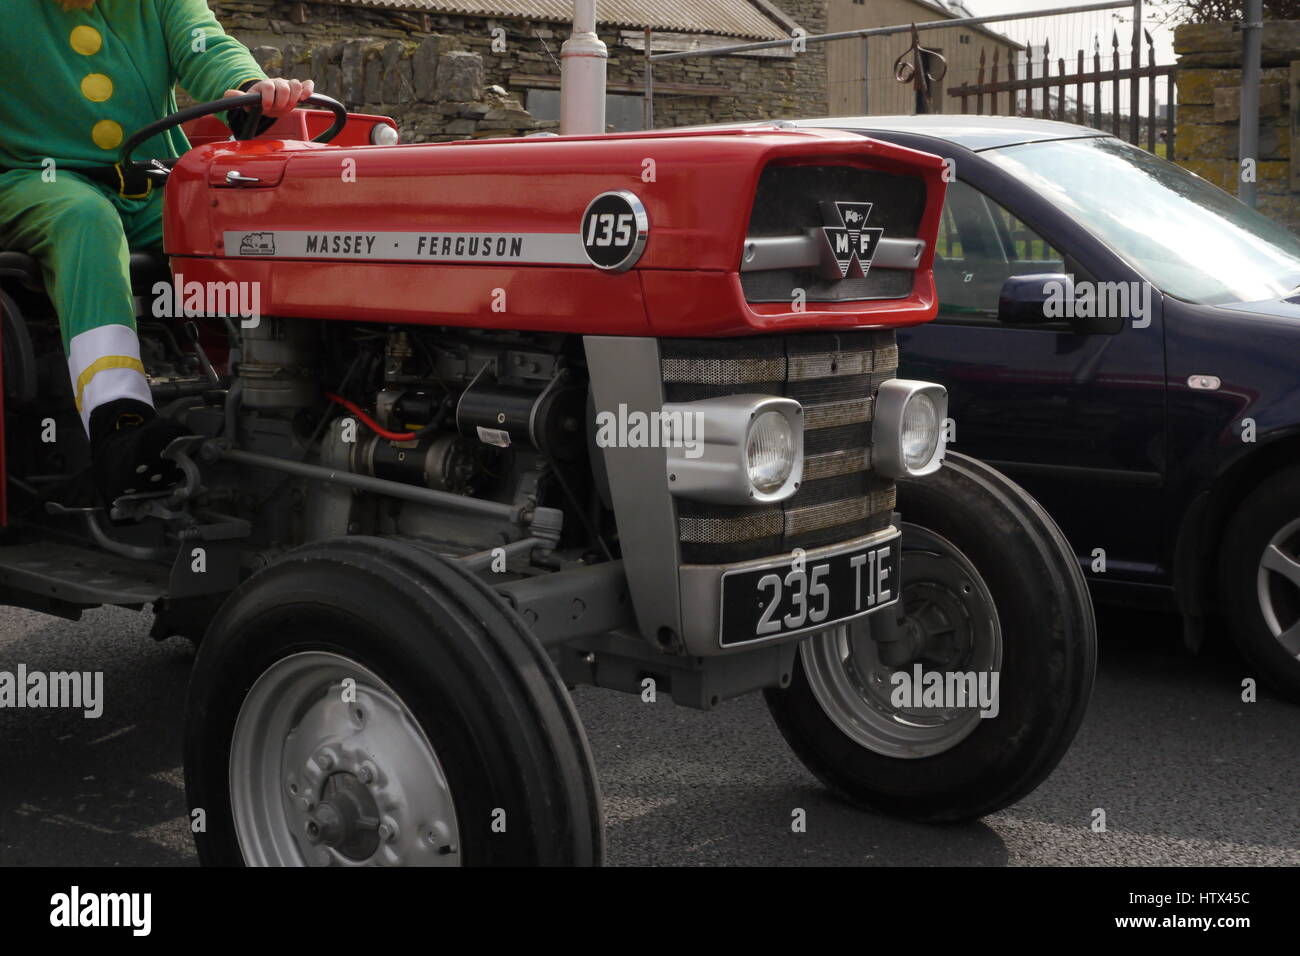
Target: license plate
(808, 595)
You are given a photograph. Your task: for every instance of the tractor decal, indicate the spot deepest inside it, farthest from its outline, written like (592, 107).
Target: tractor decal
(847, 245)
(547, 248)
(256, 244)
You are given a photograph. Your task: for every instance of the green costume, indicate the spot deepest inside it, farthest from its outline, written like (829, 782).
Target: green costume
(77, 83)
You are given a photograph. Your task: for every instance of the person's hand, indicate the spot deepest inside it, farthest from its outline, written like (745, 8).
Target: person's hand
(278, 96)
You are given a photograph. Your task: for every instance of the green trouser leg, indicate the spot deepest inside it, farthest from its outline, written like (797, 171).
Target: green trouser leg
(81, 234)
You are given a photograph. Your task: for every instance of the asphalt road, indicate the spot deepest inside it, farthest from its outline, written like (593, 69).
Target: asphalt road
(1186, 772)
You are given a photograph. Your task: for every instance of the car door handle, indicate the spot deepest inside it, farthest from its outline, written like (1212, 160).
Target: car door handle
(235, 178)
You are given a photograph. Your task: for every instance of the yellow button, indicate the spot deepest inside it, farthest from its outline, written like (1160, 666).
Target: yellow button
(86, 40)
(107, 134)
(96, 87)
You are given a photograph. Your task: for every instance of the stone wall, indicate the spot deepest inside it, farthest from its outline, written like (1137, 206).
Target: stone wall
(1209, 109)
(448, 77)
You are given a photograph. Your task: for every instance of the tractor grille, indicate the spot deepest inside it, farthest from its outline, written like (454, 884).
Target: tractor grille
(789, 203)
(834, 376)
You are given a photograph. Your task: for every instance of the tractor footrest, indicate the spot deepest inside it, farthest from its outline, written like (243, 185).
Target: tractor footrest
(75, 575)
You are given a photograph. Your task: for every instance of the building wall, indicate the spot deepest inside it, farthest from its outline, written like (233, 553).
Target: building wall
(1209, 108)
(443, 77)
(860, 72)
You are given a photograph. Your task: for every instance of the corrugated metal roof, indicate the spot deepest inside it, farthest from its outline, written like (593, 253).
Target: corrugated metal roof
(729, 18)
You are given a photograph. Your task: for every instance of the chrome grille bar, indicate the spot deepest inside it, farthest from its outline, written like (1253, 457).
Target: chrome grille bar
(804, 252)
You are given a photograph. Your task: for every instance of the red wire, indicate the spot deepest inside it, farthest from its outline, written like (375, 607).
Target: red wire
(368, 421)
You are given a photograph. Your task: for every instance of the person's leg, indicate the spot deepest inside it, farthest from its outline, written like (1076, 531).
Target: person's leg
(76, 234)
(144, 222)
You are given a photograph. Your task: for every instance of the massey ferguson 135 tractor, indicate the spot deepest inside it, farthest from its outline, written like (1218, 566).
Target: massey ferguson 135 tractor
(512, 416)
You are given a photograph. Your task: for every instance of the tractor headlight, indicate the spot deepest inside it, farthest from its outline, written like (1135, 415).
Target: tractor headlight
(907, 434)
(738, 449)
(769, 451)
(920, 431)
(381, 134)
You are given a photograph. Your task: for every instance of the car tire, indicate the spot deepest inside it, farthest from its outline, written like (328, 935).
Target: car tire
(1259, 580)
(456, 742)
(967, 526)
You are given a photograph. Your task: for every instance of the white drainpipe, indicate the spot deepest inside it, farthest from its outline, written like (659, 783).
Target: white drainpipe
(583, 59)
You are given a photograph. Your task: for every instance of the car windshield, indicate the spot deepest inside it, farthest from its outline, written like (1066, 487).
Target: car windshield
(1188, 238)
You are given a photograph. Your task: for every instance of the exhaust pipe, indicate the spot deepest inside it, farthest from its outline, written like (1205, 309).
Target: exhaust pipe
(583, 59)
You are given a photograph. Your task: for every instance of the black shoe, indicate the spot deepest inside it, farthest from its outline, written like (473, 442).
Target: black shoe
(127, 439)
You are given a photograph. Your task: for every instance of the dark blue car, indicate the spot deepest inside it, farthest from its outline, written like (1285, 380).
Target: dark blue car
(1123, 338)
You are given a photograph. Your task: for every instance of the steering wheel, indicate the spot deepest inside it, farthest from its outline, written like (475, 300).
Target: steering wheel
(250, 101)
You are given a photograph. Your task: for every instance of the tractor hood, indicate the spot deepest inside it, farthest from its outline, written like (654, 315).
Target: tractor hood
(689, 233)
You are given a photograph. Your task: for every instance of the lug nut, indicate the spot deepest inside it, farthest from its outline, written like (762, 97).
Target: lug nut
(438, 836)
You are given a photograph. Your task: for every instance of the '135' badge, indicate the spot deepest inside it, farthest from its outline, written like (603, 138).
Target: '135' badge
(614, 230)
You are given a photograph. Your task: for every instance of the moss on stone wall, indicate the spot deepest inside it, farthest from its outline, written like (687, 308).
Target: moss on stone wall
(1209, 109)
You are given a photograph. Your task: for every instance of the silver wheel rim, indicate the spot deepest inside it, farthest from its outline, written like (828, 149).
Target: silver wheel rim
(950, 621)
(324, 773)
(1277, 586)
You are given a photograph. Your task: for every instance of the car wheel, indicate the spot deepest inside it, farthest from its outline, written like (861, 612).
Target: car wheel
(989, 586)
(1259, 575)
(365, 702)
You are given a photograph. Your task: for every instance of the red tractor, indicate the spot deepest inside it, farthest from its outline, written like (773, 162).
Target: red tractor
(474, 423)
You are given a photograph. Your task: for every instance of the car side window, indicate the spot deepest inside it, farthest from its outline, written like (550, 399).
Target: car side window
(980, 245)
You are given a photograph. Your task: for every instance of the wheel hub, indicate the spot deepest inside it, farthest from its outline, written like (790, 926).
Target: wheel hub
(949, 623)
(328, 767)
(1278, 587)
(347, 819)
(939, 625)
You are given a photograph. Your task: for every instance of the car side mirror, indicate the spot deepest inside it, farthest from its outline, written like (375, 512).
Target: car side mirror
(1050, 297)
(1035, 299)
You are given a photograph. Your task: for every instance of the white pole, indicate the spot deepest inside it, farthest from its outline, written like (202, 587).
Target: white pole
(583, 59)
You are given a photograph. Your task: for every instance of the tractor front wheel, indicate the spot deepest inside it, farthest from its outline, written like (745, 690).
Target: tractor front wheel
(970, 701)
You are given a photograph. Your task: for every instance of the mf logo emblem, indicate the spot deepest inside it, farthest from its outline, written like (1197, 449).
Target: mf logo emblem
(848, 246)
(257, 244)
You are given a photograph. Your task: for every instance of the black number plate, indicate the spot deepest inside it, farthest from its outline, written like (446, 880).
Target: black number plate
(809, 595)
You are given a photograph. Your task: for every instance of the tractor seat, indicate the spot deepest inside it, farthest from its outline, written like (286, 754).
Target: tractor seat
(147, 268)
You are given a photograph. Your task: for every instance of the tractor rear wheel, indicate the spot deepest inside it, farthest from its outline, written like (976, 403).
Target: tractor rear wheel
(367, 702)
